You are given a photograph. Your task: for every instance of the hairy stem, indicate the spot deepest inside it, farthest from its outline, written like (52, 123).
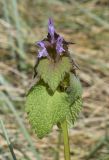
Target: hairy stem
(66, 140)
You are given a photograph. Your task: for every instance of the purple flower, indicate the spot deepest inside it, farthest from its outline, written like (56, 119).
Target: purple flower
(51, 29)
(59, 45)
(43, 52)
(53, 45)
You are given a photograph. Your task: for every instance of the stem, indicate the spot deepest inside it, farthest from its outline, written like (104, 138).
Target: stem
(66, 140)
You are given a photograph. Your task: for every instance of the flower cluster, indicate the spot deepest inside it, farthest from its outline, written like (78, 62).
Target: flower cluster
(53, 43)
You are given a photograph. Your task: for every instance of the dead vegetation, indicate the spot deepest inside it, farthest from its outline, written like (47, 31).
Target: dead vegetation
(87, 24)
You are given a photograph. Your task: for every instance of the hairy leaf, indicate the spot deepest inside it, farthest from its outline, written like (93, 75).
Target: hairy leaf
(75, 97)
(45, 109)
(75, 109)
(53, 73)
(75, 89)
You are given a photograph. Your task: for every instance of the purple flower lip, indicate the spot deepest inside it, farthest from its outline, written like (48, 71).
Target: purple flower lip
(43, 52)
(59, 45)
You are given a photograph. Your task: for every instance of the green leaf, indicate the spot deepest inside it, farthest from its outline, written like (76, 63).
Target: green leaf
(75, 109)
(45, 109)
(75, 97)
(75, 89)
(53, 73)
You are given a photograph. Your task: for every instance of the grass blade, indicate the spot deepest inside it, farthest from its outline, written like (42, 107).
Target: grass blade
(6, 15)
(19, 121)
(103, 23)
(7, 139)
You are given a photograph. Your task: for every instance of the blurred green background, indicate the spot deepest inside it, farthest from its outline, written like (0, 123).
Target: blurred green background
(85, 22)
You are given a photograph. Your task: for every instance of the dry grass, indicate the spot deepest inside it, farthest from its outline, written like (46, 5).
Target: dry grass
(89, 138)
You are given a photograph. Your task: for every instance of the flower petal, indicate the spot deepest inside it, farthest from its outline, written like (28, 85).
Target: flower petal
(41, 44)
(51, 29)
(43, 52)
(59, 45)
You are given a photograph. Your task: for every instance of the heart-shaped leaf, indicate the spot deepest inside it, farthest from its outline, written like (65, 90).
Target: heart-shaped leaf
(45, 109)
(53, 73)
